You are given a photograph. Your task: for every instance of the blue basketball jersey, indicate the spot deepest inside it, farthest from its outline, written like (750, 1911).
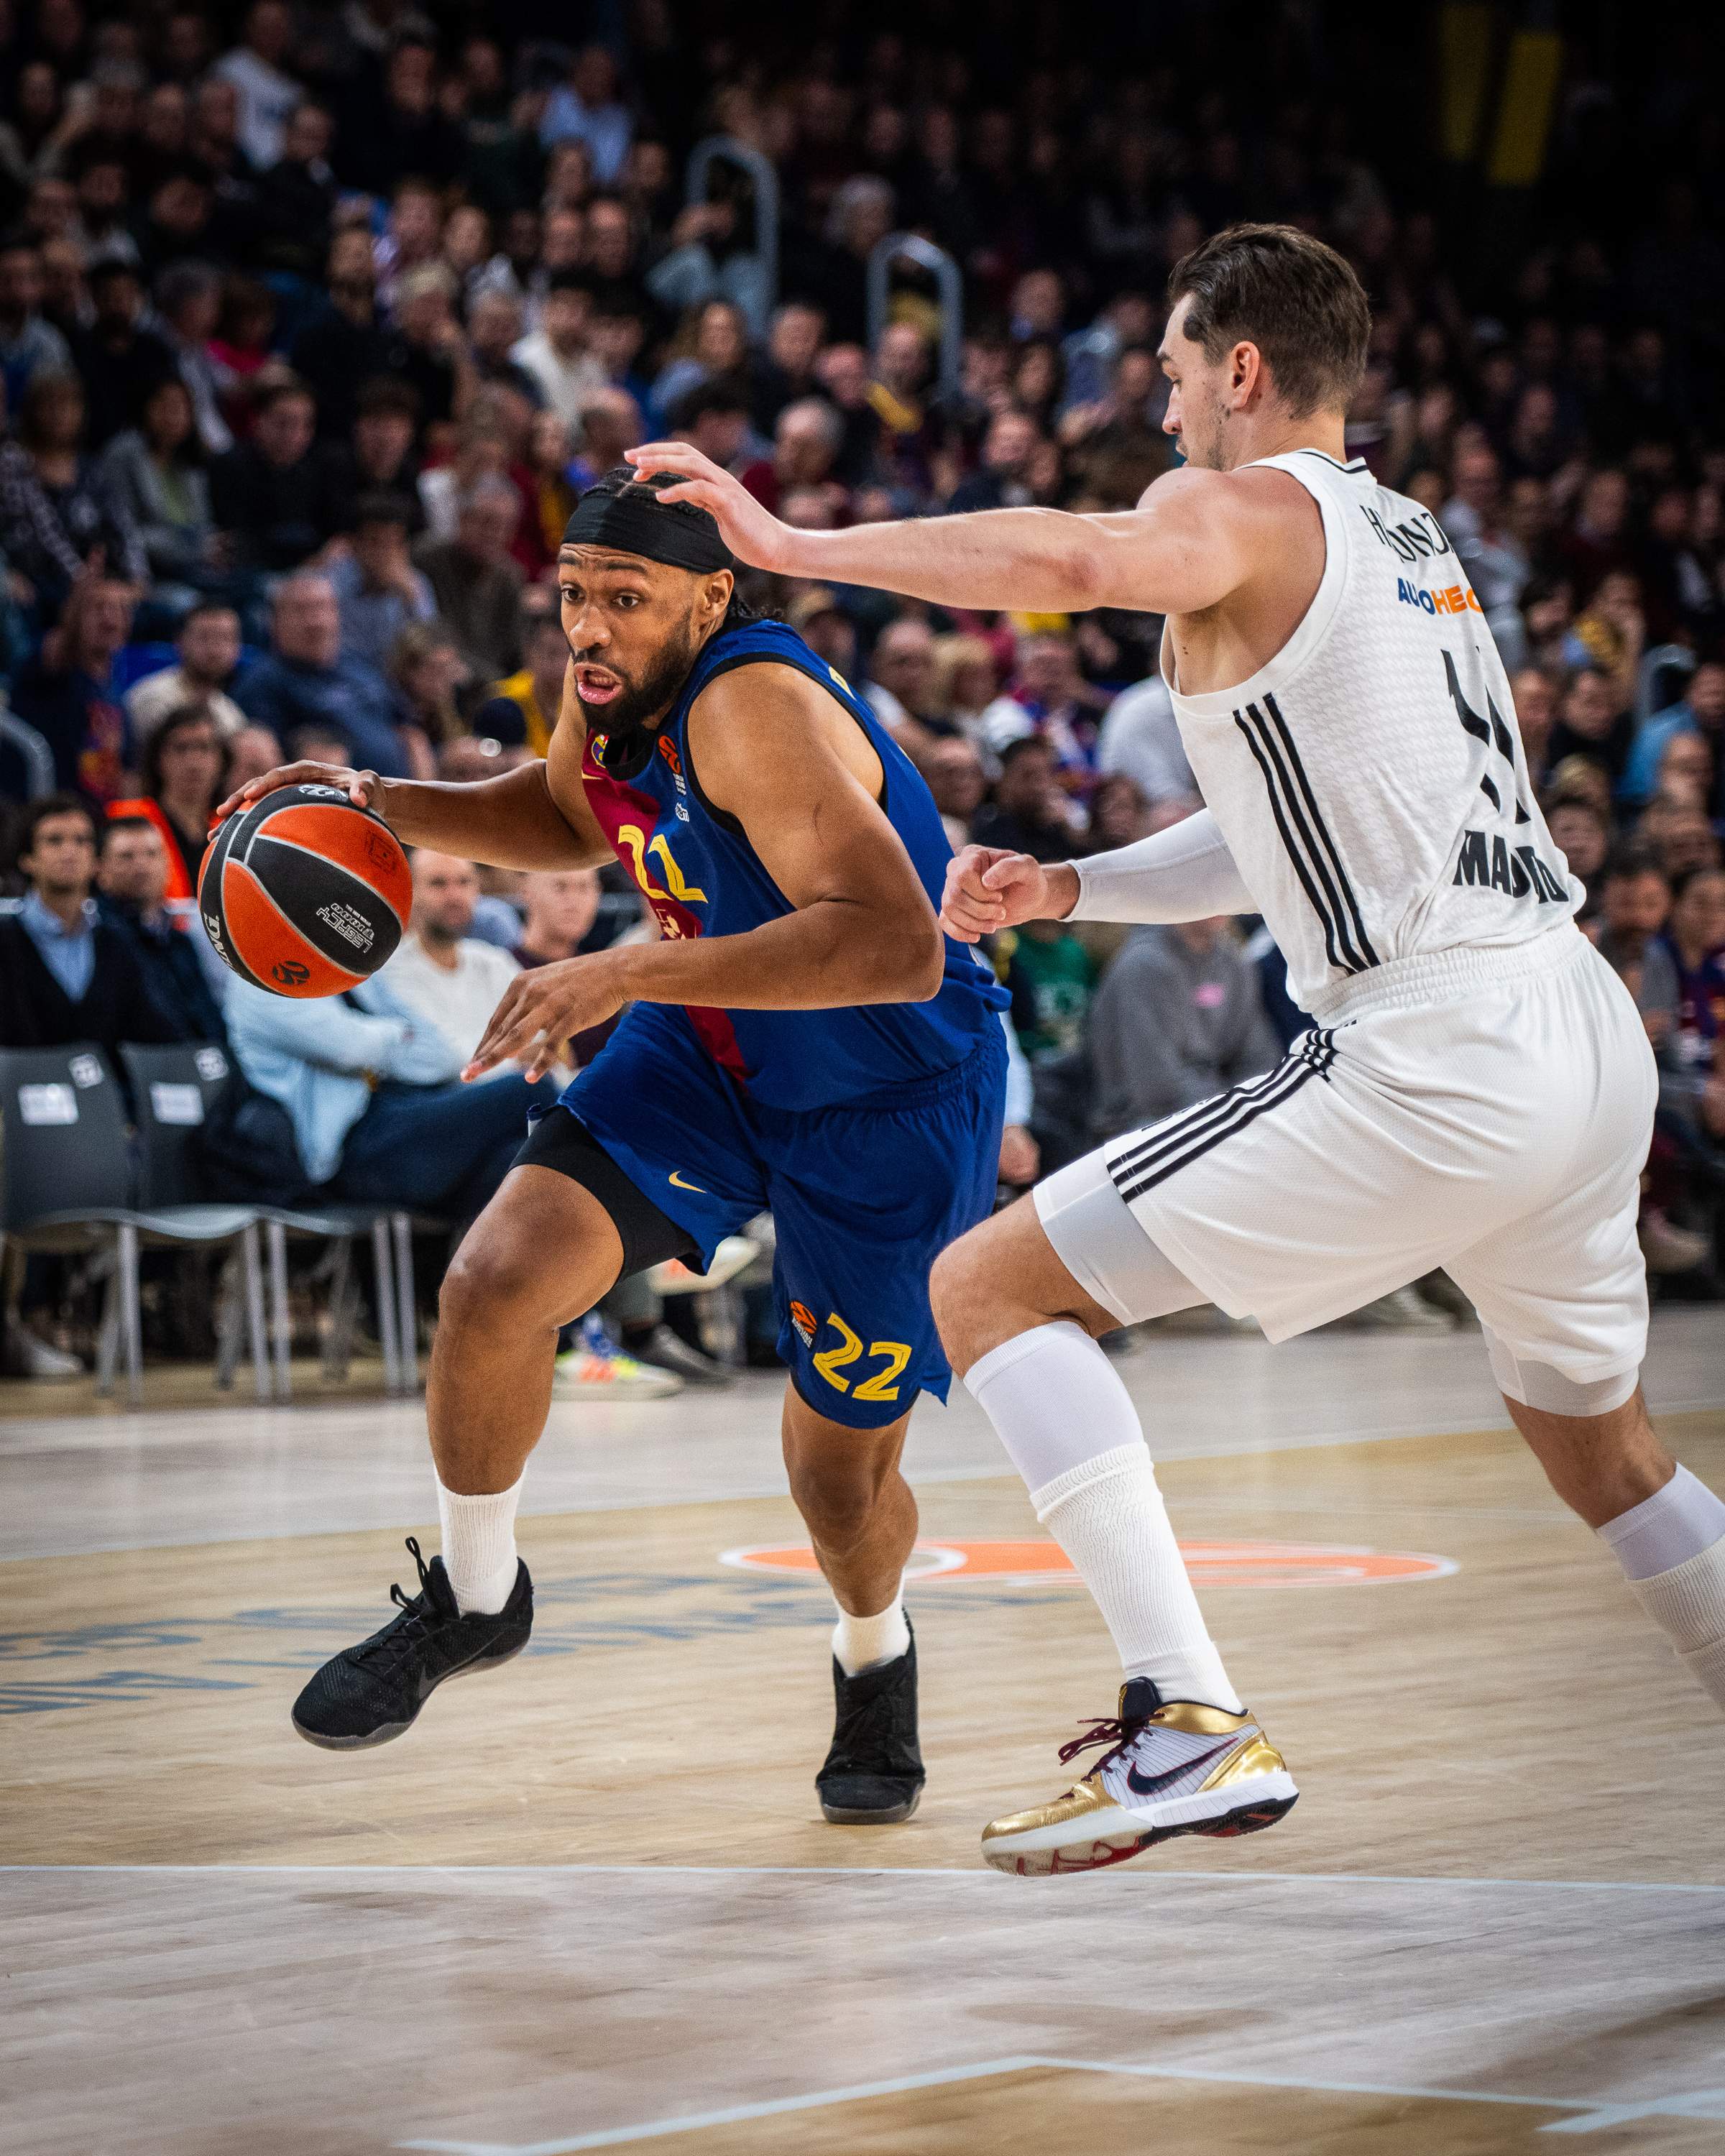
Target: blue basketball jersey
(702, 877)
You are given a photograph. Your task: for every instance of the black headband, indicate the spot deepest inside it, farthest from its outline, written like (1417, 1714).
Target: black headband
(637, 523)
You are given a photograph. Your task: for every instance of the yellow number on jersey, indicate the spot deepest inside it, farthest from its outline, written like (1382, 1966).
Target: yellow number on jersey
(633, 841)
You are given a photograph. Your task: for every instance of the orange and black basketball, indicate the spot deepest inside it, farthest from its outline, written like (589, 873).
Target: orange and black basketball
(304, 894)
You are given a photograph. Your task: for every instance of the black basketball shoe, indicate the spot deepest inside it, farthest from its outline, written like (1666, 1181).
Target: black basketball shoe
(872, 1775)
(367, 1694)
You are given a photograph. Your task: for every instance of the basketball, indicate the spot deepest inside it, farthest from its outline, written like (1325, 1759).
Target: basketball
(305, 894)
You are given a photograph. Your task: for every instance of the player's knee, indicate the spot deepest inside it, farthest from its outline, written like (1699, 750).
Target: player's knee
(836, 1494)
(495, 1282)
(952, 1287)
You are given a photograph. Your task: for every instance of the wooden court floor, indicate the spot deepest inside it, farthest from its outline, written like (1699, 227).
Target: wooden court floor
(589, 1902)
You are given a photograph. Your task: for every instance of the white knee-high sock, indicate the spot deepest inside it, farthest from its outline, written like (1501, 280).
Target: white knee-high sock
(479, 1546)
(1069, 1428)
(1671, 1546)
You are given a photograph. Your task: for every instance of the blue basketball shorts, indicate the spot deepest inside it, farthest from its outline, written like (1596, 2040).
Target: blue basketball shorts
(864, 1197)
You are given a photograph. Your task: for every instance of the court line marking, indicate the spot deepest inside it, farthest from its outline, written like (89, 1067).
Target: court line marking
(1588, 2116)
(420, 1871)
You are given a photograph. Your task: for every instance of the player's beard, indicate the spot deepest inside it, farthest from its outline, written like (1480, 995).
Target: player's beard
(623, 718)
(1203, 438)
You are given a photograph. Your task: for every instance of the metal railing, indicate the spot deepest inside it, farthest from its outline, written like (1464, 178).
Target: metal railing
(36, 757)
(949, 286)
(730, 150)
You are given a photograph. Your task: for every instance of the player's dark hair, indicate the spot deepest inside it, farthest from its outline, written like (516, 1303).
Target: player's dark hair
(1296, 299)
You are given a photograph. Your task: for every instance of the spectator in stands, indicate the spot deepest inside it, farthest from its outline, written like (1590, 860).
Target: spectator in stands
(208, 648)
(1593, 725)
(901, 689)
(53, 515)
(1030, 812)
(378, 591)
(256, 68)
(537, 689)
(373, 1089)
(188, 305)
(305, 682)
(1177, 1019)
(556, 354)
(269, 492)
(349, 348)
(67, 691)
(958, 782)
(475, 581)
(1634, 903)
(548, 495)
(453, 978)
(1141, 737)
(1581, 832)
(153, 480)
(1049, 696)
(429, 677)
(378, 456)
(29, 346)
(1002, 482)
(183, 774)
(806, 439)
(562, 906)
(587, 109)
(1700, 710)
(119, 360)
(65, 974)
(165, 941)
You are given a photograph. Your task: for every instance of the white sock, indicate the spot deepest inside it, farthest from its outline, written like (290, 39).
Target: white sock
(1671, 1546)
(864, 1643)
(479, 1546)
(1070, 1429)
(1673, 1525)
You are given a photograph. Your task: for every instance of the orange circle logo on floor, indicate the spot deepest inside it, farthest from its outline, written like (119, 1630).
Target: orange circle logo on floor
(1210, 1563)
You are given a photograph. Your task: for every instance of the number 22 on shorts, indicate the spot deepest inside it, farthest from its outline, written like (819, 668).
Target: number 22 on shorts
(883, 1385)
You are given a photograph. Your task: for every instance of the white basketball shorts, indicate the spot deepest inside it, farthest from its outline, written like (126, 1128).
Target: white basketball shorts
(1484, 1111)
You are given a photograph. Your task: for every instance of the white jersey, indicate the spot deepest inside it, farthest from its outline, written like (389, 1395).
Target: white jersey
(1369, 779)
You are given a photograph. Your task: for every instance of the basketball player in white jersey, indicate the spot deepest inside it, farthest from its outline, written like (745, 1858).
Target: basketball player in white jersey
(1477, 1091)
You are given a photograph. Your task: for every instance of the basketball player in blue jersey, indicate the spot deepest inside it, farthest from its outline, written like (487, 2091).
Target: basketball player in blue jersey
(801, 1039)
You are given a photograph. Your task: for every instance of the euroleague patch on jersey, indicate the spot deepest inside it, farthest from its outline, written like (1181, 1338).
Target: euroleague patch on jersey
(802, 1319)
(1210, 1563)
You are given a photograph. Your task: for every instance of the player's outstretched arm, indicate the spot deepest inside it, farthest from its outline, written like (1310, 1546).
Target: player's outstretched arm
(1184, 873)
(1190, 542)
(862, 930)
(535, 817)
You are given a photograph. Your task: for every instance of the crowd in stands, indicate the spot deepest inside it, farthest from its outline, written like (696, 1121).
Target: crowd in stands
(314, 321)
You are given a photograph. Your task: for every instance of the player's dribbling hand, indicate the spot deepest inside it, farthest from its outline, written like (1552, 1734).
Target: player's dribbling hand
(753, 534)
(990, 888)
(362, 787)
(543, 1008)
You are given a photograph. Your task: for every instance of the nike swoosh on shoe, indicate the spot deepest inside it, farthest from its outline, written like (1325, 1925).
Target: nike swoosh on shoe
(1145, 1786)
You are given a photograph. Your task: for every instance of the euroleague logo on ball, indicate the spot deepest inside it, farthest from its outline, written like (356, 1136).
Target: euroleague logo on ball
(291, 974)
(379, 852)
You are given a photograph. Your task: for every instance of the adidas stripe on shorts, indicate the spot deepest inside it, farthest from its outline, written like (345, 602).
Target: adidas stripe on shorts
(1486, 1111)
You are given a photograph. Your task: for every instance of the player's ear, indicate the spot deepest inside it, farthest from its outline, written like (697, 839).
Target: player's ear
(716, 597)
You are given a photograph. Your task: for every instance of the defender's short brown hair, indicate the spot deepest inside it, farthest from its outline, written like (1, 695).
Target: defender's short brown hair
(1296, 300)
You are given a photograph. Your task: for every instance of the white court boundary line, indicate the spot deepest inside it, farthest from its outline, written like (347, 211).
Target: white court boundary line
(1147, 1879)
(1586, 2116)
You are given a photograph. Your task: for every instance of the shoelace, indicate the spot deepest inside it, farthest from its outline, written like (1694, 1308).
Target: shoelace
(395, 1641)
(1116, 1735)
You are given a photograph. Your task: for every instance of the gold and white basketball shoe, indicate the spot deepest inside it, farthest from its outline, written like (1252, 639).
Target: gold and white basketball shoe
(1173, 1767)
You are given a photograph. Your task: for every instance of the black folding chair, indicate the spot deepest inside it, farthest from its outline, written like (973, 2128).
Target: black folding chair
(175, 1089)
(67, 1185)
